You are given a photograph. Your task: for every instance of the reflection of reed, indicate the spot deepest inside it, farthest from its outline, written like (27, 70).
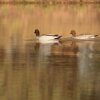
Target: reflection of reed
(57, 77)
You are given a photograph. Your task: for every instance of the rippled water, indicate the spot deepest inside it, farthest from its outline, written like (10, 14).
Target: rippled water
(63, 71)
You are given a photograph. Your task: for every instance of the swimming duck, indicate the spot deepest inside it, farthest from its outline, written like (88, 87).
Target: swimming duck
(82, 36)
(50, 38)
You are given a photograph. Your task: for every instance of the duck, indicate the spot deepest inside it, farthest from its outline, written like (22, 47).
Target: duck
(82, 36)
(49, 38)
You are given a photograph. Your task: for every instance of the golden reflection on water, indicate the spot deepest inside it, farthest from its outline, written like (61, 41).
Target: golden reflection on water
(35, 71)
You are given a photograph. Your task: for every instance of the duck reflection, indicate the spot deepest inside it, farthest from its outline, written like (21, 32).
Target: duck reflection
(45, 51)
(68, 48)
(56, 71)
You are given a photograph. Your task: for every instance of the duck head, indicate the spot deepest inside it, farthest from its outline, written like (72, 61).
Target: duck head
(73, 33)
(37, 32)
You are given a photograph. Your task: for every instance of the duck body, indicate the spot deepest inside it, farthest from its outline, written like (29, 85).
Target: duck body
(85, 36)
(82, 36)
(50, 38)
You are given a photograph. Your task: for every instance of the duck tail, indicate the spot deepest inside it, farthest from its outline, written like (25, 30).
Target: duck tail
(58, 37)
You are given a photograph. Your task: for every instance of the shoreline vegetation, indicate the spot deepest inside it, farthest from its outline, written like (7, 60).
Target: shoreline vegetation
(50, 2)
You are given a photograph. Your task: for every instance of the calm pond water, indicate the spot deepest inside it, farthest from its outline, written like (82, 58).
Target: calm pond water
(63, 71)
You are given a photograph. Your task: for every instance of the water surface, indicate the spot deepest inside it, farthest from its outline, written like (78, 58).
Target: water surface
(35, 71)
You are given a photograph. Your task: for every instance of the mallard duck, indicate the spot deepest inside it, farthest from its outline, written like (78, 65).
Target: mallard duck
(50, 38)
(82, 36)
